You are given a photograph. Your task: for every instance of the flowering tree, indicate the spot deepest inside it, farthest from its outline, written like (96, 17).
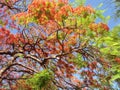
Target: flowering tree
(51, 44)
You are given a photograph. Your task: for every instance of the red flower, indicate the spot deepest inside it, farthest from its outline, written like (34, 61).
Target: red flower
(117, 59)
(104, 26)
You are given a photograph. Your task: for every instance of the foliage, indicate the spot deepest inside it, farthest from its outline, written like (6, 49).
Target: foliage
(110, 42)
(53, 44)
(117, 4)
(110, 47)
(41, 80)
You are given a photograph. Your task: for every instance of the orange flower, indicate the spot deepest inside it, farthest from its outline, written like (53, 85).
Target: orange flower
(117, 59)
(93, 26)
(63, 1)
(79, 10)
(90, 9)
(104, 26)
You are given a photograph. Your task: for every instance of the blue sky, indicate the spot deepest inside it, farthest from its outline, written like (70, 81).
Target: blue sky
(109, 6)
(110, 9)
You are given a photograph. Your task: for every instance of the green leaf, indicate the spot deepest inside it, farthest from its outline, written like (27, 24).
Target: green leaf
(108, 18)
(41, 80)
(7, 0)
(79, 61)
(99, 14)
(114, 77)
(100, 5)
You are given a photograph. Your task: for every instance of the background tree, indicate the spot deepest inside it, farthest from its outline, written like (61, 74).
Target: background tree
(52, 45)
(117, 3)
(110, 47)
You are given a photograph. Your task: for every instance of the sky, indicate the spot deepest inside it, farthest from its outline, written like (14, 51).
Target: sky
(109, 6)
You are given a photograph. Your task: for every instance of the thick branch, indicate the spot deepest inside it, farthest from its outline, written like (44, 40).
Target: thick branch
(33, 57)
(13, 64)
(9, 64)
(5, 52)
(26, 67)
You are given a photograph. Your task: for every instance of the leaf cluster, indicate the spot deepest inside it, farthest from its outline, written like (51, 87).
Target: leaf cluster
(41, 80)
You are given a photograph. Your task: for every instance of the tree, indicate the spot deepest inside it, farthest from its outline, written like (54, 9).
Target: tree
(110, 48)
(52, 44)
(117, 4)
